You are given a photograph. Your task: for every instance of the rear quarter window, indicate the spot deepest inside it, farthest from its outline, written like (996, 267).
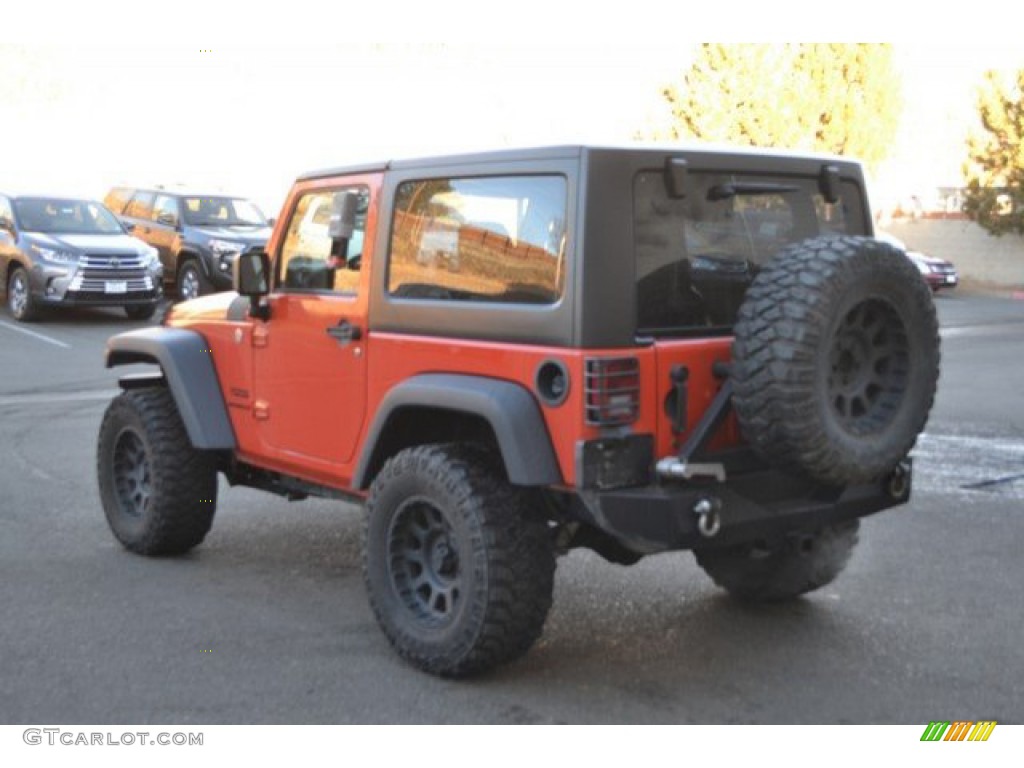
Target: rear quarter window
(117, 199)
(140, 206)
(496, 239)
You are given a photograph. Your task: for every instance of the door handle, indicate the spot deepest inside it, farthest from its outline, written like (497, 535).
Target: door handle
(344, 332)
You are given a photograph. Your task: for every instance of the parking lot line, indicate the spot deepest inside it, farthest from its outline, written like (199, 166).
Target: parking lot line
(49, 398)
(39, 336)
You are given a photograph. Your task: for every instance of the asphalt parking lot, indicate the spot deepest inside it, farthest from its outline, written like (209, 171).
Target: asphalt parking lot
(267, 622)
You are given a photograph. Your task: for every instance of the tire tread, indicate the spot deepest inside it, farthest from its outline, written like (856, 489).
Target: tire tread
(800, 563)
(512, 601)
(184, 479)
(781, 328)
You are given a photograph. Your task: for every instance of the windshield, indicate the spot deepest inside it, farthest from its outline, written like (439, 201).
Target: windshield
(696, 256)
(65, 217)
(222, 212)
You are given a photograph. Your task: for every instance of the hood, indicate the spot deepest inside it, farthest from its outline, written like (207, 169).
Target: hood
(918, 256)
(105, 244)
(247, 235)
(211, 307)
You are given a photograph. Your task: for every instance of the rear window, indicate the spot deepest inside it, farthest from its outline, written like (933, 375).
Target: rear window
(495, 239)
(696, 256)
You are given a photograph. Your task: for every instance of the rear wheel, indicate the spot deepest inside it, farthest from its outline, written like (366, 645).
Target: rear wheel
(158, 492)
(459, 574)
(800, 562)
(23, 307)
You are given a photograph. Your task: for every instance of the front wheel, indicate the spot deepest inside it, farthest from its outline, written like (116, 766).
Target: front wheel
(459, 574)
(22, 305)
(799, 563)
(159, 493)
(192, 283)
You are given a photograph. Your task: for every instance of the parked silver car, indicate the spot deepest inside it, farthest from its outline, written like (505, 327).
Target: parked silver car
(59, 251)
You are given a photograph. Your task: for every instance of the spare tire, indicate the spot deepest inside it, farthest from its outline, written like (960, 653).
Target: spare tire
(836, 359)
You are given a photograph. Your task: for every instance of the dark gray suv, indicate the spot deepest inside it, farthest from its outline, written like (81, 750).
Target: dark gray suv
(58, 251)
(197, 235)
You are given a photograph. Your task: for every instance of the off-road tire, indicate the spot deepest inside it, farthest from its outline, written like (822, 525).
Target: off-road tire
(158, 492)
(190, 277)
(140, 311)
(458, 572)
(799, 563)
(836, 359)
(20, 302)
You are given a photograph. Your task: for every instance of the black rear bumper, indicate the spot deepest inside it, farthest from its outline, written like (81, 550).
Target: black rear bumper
(757, 505)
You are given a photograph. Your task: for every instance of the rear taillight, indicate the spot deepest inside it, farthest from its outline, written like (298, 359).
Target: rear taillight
(612, 390)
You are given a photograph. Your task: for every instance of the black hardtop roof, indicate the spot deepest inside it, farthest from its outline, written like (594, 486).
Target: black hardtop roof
(467, 158)
(566, 151)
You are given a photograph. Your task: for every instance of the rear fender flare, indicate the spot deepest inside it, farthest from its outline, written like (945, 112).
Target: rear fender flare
(511, 411)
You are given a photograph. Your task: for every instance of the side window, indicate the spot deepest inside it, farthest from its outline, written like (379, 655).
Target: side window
(165, 211)
(6, 215)
(479, 239)
(307, 260)
(117, 199)
(141, 206)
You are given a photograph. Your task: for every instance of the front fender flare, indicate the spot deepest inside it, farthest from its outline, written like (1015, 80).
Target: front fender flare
(509, 408)
(187, 366)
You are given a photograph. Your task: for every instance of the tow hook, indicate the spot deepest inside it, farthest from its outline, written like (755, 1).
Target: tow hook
(899, 481)
(709, 521)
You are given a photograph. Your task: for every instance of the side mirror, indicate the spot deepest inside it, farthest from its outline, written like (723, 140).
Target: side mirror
(343, 216)
(128, 226)
(251, 277)
(343, 223)
(167, 219)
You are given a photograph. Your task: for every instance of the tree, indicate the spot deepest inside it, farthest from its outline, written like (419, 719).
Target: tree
(994, 169)
(828, 97)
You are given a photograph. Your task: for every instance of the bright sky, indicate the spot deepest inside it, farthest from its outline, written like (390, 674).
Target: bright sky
(251, 119)
(940, 81)
(248, 116)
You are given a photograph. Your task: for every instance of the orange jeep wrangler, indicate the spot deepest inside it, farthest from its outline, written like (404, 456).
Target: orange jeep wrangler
(507, 355)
